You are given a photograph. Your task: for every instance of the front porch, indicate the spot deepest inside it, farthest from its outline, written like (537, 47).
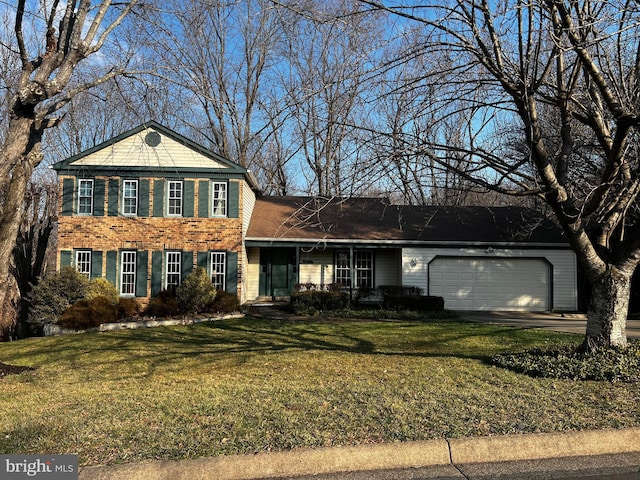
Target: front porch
(274, 272)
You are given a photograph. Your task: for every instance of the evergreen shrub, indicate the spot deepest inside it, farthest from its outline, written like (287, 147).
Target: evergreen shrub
(196, 293)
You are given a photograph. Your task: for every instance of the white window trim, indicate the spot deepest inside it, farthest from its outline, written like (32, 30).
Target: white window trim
(80, 182)
(166, 267)
(224, 267)
(78, 261)
(354, 275)
(134, 273)
(169, 182)
(135, 182)
(225, 214)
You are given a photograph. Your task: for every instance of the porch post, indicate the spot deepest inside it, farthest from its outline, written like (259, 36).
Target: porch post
(352, 273)
(297, 265)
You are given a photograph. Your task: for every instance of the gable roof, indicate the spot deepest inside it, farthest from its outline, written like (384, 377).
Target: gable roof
(151, 146)
(375, 220)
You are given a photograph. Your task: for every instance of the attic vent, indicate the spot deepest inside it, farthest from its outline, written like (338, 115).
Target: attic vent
(152, 139)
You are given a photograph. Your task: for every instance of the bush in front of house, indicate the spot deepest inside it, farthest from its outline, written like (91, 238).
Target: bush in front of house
(313, 301)
(54, 294)
(101, 287)
(127, 307)
(567, 362)
(400, 290)
(421, 303)
(225, 302)
(164, 305)
(196, 293)
(89, 313)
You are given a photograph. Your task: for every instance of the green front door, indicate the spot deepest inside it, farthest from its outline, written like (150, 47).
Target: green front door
(277, 271)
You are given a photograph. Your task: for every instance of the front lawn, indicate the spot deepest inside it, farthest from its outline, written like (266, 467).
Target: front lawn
(247, 385)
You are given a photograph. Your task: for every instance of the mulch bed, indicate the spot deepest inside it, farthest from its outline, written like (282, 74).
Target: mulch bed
(12, 370)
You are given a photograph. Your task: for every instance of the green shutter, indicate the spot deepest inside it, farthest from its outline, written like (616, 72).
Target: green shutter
(189, 198)
(65, 258)
(142, 269)
(158, 198)
(96, 264)
(156, 273)
(143, 198)
(187, 263)
(112, 267)
(114, 194)
(203, 199)
(98, 197)
(203, 260)
(234, 200)
(67, 196)
(232, 272)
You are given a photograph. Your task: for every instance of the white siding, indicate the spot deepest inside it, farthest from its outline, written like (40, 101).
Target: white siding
(316, 267)
(133, 151)
(248, 203)
(251, 285)
(415, 268)
(387, 267)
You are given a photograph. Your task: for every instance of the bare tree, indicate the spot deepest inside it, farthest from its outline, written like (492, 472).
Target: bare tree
(329, 51)
(566, 76)
(31, 253)
(50, 42)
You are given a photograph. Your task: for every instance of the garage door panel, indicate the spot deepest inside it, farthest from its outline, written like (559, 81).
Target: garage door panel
(490, 284)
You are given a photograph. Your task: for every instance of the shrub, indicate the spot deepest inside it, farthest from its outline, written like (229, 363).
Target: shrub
(421, 303)
(225, 302)
(164, 305)
(53, 295)
(400, 290)
(567, 362)
(318, 301)
(101, 287)
(127, 307)
(89, 313)
(196, 293)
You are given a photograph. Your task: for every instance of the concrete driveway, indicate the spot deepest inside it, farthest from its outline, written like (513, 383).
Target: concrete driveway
(560, 322)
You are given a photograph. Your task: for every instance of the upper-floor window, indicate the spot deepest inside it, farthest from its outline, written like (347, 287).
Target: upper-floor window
(85, 196)
(219, 207)
(174, 197)
(130, 197)
(83, 262)
(218, 270)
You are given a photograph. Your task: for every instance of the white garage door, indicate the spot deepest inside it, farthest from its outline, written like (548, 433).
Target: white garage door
(490, 283)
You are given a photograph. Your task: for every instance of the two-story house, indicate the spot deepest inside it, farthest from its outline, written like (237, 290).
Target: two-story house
(146, 206)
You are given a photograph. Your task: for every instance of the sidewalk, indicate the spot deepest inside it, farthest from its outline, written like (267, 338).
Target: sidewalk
(477, 457)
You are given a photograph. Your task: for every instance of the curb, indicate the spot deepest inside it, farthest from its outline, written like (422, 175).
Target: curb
(429, 453)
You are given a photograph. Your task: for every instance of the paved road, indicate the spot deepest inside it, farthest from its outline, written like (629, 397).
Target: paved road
(609, 467)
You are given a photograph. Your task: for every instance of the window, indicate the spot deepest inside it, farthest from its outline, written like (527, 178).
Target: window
(343, 269)
(83, 262)
(219, 207)
(128, 273)
(363, 265)
(173, 274)
(174, 198)
(130, 197)
(85, 197)
(218, 262)
(362, 268)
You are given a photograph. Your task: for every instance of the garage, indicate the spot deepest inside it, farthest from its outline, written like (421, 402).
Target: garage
(469, 283)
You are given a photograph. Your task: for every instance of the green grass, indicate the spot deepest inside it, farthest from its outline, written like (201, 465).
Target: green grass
(246, 385)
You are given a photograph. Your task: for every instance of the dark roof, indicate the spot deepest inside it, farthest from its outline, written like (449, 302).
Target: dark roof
(376, 220)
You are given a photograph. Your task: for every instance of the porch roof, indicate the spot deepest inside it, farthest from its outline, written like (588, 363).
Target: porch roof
(376, 220)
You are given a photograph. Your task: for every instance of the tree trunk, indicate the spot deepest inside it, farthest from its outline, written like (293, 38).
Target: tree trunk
(20, 150)
(608, 309)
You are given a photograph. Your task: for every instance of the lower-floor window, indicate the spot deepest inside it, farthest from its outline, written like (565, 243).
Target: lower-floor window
(173, 274)
(128, 273)
(362, 268)
(218, 262)
(83, 262)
